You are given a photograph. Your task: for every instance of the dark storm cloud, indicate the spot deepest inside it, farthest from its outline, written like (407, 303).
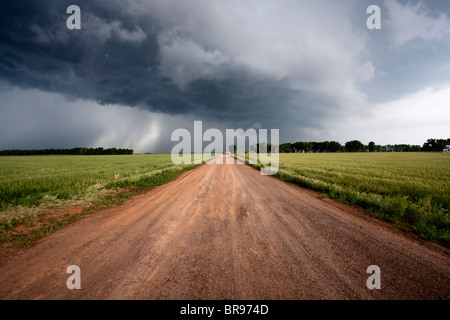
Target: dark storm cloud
(38, 51)
(308, 68)
(115, 59)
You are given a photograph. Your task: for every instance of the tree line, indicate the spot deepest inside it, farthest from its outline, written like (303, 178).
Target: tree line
(358, 146)
(73, 151)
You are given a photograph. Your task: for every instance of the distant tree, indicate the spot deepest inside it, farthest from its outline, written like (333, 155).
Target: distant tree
(316, 146)
(298, 146)
(302, 146)
(73, 151)
(357, 146)
(334, 146)
(416, 148)
(286, 148)
(354, 146)
(435, 144)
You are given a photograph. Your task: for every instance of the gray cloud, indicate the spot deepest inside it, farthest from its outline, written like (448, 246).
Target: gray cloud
(186, 57)
(410, 22)
(293, 65)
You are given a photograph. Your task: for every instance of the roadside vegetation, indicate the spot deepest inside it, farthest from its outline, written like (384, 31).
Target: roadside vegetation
(410, 190)
(41, 194)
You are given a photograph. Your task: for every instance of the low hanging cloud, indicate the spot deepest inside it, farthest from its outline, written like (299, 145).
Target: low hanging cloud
(33, 119)
(217, 59)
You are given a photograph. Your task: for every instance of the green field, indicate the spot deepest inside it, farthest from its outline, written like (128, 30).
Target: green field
(410, 189)
(35, 190)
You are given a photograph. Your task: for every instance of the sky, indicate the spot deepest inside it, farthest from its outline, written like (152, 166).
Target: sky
(139, 69)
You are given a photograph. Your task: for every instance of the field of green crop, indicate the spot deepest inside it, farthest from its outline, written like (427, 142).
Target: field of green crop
(409, 189)
(33, 186)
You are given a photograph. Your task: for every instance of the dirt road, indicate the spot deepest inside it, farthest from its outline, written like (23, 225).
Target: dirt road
(226, 232)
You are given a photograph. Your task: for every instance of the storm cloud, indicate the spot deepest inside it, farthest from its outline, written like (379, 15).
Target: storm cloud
(293, 65)
(212, 57)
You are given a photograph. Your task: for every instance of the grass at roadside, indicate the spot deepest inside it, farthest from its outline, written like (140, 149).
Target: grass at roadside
(411, 190)
(42, 194)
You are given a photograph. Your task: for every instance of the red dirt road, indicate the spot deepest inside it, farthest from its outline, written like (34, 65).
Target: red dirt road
(226, 232)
